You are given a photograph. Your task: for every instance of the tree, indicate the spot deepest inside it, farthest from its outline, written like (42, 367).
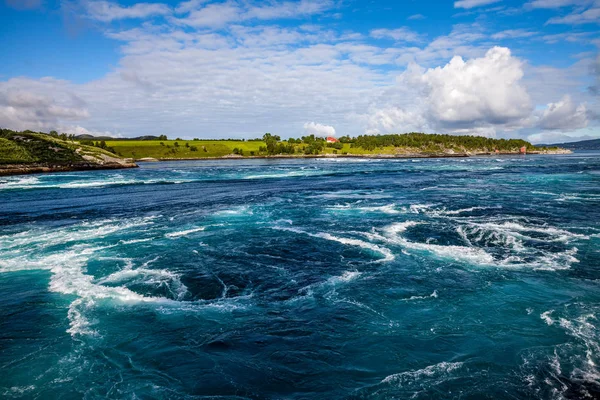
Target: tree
(271, 141)
(163, 137)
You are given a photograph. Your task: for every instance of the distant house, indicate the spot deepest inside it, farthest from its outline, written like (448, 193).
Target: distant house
(331, 139)
(523, 150)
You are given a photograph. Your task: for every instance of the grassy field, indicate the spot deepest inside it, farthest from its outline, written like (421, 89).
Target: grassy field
(210, 148)
(184, 149)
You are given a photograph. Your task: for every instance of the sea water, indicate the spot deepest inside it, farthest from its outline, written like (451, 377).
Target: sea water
(304, 279)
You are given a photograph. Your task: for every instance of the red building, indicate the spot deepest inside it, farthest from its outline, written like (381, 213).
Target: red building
(331, 139)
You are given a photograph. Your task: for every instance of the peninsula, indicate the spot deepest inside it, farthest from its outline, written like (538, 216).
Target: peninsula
(32, 152)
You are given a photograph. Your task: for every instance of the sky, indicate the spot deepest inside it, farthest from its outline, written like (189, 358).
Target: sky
(239, 68)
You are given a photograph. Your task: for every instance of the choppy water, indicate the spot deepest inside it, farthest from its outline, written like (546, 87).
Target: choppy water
(304, 279)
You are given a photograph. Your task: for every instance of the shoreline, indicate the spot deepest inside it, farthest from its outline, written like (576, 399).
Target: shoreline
(370, 156)
(27, 169)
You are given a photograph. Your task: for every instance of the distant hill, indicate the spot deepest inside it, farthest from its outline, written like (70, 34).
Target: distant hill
(593, 144)
(28, 152)
(90, 137)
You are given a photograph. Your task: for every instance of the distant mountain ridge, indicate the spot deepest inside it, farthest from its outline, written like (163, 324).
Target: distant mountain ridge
(592, 144)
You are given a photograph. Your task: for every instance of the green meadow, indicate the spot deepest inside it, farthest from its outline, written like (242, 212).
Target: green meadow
(181, 148)
(185, 149)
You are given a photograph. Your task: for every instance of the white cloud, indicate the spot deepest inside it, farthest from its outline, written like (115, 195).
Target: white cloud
(473, 3)
(213, 15)
(40, 105)
(190, 5)
(564, 115)
(484, 89)
(595, 89)
(217, 15)
(513, 34)
(106, 11)
(394, 119)
(476, 96)
(400, 35)
(416, 17)
(556, 3)
(580, 16)
(313, 128)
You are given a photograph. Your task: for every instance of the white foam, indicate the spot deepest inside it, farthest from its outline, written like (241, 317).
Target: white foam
(385, 209)
(133, 241)
(429, 371)
(463, 253)
(178, 234)
(432, 295)
(351, 194)
(68, 268)
(547, 318)
(346, 277)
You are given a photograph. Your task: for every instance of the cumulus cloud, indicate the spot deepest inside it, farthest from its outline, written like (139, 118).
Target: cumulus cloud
(474, 96)
(42, 105)
(483, 89)
(313, 128)
(473, 3)
(564, 115)
(106, 11)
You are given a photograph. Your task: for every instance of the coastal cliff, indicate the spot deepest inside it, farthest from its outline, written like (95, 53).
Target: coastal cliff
(30, 152)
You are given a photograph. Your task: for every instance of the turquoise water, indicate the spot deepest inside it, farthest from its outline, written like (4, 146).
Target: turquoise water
(304, 279)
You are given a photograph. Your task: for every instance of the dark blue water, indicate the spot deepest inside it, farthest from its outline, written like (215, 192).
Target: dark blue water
(304, 279)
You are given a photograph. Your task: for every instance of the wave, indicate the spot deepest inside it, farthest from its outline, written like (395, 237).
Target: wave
(432, 295)
(178, 234)
(288, 174)
(577, 360)
(37, 250)
(384, 252)
(82, 232)
(430, 371)
(36, 183)
(385, 209)
(351, 194)
(463, 253)
(346, 277)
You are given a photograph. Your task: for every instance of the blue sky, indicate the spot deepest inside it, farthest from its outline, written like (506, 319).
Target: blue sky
(239, 68)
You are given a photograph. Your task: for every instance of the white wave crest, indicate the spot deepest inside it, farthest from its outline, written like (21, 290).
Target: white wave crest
(178, 234)
(442, 368)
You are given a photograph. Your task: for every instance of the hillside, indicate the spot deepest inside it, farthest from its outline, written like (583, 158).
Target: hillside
(30, 152)
(593, 144)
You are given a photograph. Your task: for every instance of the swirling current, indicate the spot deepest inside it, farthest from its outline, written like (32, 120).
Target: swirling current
(466, 278)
